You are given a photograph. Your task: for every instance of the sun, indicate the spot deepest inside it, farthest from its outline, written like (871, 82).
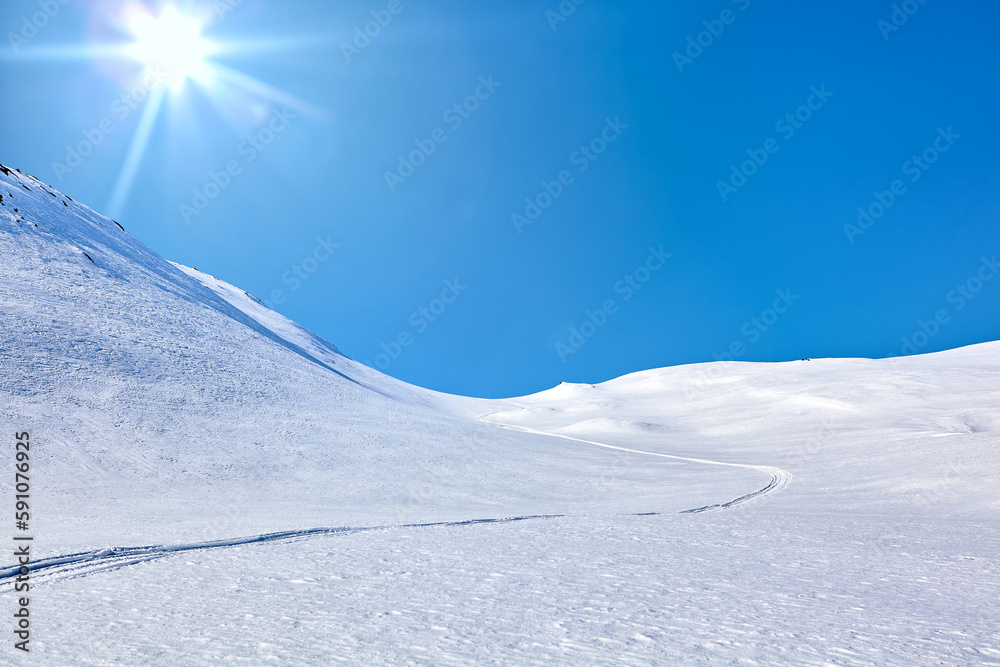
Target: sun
(171, 43)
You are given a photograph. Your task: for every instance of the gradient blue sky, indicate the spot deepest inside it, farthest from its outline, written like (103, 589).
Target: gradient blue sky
(323, 175)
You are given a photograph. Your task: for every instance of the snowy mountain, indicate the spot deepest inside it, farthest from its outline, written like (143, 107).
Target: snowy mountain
(212, 483)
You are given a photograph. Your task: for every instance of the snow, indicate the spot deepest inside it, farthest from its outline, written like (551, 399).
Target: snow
(214, 484)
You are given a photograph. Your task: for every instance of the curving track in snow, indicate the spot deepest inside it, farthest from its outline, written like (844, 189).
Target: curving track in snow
(779, 477)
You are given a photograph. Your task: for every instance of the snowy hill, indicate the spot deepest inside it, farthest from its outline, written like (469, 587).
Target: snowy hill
(213, 483)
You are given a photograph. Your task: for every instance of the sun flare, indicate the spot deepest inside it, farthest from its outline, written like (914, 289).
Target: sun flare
(169, 46)
(170, 42)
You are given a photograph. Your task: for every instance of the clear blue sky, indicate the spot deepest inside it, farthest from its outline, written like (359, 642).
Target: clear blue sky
(657, 142)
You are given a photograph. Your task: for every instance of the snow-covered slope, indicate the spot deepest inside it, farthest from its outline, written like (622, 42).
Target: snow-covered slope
(212, 483)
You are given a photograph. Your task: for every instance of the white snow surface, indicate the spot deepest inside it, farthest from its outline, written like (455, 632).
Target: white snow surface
(214, 484)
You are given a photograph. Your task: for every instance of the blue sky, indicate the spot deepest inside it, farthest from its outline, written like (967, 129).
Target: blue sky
(607, 196)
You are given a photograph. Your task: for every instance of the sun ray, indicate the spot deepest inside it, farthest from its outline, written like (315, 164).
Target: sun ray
(267, 91)
(256, 46)
(136, 151)
(69, 52)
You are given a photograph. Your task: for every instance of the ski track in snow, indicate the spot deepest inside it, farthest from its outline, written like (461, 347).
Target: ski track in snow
(102, 560)
(779, 477)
